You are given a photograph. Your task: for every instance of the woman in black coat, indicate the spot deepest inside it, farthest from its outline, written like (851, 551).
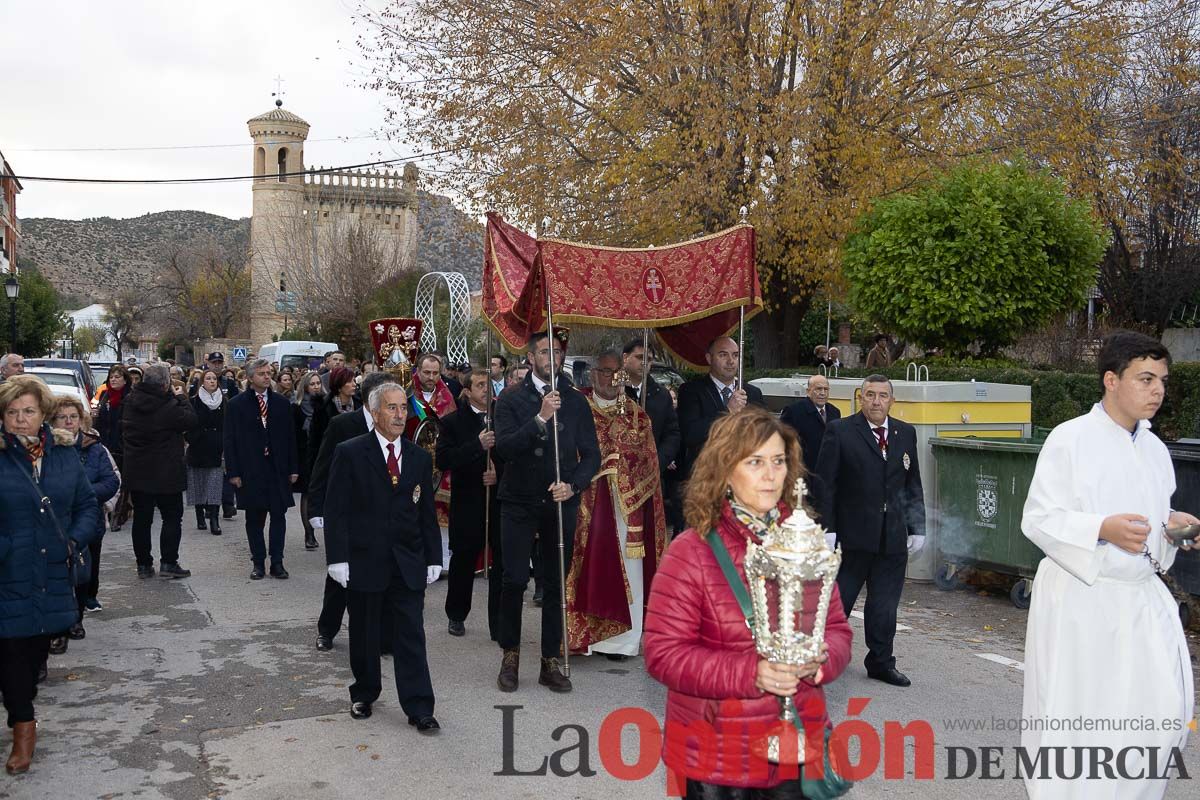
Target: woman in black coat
(309, 396)
(206, 473)
(341, 399)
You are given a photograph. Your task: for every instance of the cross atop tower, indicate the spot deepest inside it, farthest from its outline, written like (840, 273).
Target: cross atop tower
(278, 93)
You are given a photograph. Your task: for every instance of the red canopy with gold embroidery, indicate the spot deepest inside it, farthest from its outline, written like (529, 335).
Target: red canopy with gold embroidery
(690, 293)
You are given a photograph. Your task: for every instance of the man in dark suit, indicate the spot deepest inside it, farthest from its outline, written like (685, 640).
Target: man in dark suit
(526, 436)
(702, 400)
(659, 407)
(809, 416)
(872, 503)
(464, 448)
(262, 464)
(342, 427)
(383, 544)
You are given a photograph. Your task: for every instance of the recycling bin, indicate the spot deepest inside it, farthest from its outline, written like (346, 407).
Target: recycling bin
(981, 490)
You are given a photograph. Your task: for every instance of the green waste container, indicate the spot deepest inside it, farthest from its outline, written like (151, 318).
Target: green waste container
(981, 490)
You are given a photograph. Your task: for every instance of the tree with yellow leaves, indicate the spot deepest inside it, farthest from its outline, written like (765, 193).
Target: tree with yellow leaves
(638, 123)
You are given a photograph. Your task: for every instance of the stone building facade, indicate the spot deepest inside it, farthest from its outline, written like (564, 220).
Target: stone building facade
(299, 213)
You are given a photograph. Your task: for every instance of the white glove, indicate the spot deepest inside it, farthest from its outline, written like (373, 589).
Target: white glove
(340, 573)
(831, 539)
(915, 543)
(317, 522)
(432, 573)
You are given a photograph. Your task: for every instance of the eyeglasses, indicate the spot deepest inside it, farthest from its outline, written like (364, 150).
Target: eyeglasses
(66, 417)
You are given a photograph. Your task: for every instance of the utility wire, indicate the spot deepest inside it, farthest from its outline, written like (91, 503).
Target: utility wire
(228, 178)
(168, 147)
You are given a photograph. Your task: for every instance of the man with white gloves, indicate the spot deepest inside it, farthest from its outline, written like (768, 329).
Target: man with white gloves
(383, 545)
(872, 503)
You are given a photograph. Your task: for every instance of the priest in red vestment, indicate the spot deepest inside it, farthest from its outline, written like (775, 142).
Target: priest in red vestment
(622, 531)
(431, 399)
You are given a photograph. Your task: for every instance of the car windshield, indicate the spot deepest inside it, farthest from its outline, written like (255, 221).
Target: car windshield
(56, 378)
(305, 362)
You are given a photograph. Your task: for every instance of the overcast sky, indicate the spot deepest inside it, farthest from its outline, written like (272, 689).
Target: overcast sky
(134, 73)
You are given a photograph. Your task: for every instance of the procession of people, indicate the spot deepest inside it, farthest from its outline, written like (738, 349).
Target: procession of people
(525, 475)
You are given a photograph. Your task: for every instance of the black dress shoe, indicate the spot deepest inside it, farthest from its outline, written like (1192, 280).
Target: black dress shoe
(42, 673)
(324, 643)
(310, 542)
(76, 632)
(229, 512)
(360, 710)
(58, 645)
(426, 725)
(145, 572)
(893, 676)
(537, 597)
(257, 574)
(616, 656)
(277, 571)
(456, 628)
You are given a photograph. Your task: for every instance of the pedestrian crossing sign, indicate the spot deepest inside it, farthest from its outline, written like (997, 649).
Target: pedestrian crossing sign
(239, 354)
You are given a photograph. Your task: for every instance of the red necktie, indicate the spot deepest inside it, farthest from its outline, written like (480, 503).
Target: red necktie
(881, 435)
(393, 464)
(262, 415)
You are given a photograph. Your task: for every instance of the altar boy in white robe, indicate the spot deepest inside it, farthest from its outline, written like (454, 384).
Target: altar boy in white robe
(1104, 641)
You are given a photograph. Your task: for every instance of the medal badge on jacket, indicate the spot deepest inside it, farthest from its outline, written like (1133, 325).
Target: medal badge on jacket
(416, 494)
(906, 461)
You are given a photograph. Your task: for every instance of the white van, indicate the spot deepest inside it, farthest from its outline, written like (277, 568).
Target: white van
(306, 355)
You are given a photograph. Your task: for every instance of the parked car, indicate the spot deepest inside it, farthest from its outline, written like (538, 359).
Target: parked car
(62, 382)
(100, 372)
(80, 368)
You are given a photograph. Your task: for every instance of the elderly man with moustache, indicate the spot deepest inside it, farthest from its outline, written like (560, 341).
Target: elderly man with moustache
(382, 544)
(809, 417)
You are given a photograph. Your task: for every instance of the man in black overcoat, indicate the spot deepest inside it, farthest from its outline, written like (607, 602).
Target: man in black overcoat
(382, 543)
(809, 416)
(872, 503)
(702, 400)
(465, 449)
(341, 428)
(659, 407)
(261, 463)
(526, 438)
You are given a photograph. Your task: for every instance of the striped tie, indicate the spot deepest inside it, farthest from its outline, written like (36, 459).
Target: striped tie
(262, 408)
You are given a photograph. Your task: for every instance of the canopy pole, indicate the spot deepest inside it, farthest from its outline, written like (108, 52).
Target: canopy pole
(562, 547)
(645, 366)
(828, 321)
(741, 342)
(487, 490)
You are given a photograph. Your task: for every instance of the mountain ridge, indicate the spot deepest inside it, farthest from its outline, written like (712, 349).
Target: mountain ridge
(89, 260)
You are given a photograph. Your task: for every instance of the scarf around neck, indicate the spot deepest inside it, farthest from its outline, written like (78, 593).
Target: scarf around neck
(212, 400)
(34, 447)
(760, 527)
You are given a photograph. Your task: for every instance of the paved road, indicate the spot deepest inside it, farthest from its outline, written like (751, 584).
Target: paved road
(211, 687)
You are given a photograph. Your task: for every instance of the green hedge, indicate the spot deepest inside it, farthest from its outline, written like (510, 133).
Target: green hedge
(1056, 396)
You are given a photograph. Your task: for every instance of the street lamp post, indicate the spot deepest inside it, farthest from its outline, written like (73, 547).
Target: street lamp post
(12, 288)
(71, 335)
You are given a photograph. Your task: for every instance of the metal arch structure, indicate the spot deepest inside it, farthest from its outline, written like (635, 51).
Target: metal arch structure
(460, 313)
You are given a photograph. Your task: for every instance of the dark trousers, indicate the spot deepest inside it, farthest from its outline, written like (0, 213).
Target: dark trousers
(170, 506)
(407, 634)
(461, 581)
(519, 524)
(228, 496)
(788, 790)
(256, 519)
(92, 587)
(883, 575)
(20, 660)
(333, 607)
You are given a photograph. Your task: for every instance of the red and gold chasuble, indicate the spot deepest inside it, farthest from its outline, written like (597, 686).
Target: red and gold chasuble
(418, 411)
(598, 590)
